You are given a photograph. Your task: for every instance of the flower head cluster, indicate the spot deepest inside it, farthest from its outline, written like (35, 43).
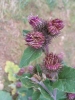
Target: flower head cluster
(71, 96)
(43, 31)
(52, 62)
(51, 27)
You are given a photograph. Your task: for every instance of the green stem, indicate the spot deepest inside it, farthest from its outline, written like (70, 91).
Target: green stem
(43, 86)
(55, 93)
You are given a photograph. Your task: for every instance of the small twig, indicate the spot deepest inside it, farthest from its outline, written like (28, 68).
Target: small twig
(55, 93)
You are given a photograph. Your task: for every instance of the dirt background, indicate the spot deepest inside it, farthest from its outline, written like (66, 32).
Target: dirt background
(13, 19)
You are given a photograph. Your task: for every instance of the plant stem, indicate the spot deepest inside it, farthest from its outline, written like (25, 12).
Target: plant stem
(43, 86)
(55, 93)
(47, 49)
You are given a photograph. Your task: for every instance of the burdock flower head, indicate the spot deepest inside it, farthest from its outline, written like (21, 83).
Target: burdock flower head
(54, 26)
(35, 39)
(34, 20)
(37, 23)
(71, 96)
(52, 62)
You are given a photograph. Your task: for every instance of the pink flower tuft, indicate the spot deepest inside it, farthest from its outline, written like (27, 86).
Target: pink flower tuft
(52, 62)
(34, 20)
(35, 39)
(54, 26)
(71, 96)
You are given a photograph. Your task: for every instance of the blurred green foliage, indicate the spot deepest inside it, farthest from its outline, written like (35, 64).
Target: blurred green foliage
(52, 3)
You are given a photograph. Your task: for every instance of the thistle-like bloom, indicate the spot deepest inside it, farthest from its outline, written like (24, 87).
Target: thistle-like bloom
(34, 20)
(54, 26)
(52, 62)
(71, 96)
(35, 39)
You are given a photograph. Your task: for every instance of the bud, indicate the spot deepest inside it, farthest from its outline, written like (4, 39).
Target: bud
(21, 72)
(71, 96)
(18, 84)
(35, 39)
(52, 62)
(30, 69)
(34, 20)
(54, 26)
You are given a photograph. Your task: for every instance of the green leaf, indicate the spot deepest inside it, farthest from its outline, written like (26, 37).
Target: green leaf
(25, 93)
(29, 93)
(5, 96)
(36, 95)
(66, 81)
(48, 85)
(11, 69)
(43, 98)
(38, 69)
(27, 82)
(20, 97)
(25, 32)
(22, 90)
(44, 93)
(60, 95)
(29, 55)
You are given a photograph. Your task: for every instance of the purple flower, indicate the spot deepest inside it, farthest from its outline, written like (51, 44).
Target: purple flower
(52, 62)
(34, 20)
(35, 39)
(71, 96)
(30, 69)
(54, 26)
(21, 72)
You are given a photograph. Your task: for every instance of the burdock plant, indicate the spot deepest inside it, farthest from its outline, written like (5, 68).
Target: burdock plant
(50, 79)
